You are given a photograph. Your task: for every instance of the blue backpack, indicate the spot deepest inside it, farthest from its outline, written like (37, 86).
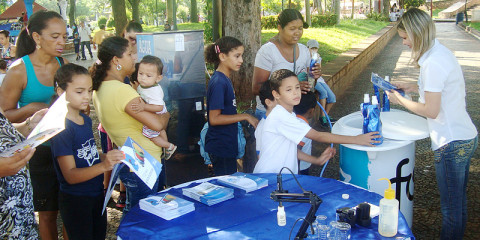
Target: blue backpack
(241, 143)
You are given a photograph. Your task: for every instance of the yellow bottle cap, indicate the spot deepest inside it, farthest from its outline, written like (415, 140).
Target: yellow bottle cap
(389, 192)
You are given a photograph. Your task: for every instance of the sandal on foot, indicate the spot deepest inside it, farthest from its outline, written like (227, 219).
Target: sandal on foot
(169, 152)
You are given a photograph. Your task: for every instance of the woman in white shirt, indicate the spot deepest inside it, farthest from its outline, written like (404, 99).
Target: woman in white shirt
(441, 87)
(283, 52)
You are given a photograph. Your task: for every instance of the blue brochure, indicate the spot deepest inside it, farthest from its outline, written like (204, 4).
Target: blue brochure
(384, 85)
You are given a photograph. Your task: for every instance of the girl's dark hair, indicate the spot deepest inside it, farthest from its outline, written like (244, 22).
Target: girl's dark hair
(149, 59)
(134, 77)
(109, 48)
(289, 15)
(3, 64)
(134, 26)
(65, 73)
(64, 76)
(222, 45)
(278, 76)
(36, 23)
(5, 33)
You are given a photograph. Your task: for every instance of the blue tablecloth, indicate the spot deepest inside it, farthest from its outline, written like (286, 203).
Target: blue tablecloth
(254, 215)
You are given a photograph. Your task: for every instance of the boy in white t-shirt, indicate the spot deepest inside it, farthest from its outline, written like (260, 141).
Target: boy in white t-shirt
(305, 111)
(282, 131)
(268, 101)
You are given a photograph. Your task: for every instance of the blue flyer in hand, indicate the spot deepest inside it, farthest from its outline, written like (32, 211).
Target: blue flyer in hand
(141, 162)
(384, 85)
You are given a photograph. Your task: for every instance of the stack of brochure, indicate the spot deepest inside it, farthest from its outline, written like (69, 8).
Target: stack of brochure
(166, 206)
(244, 181)
(208, 193)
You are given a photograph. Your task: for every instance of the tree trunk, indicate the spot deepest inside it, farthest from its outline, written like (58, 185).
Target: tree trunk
(353, 8)
(217, 19)
(193, 11)
(386, 8)
(318, 6)
(120, 15)
(170, 12)
(135, 11)
(337, 9)
(242, 21)
(71, 12)
(308, 18)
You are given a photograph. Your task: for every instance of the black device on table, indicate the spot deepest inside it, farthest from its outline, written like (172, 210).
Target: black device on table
(280, 195)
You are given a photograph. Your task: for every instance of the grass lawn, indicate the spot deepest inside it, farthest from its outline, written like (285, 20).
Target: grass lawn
(475, 25)
(436, 11)
(333, 40)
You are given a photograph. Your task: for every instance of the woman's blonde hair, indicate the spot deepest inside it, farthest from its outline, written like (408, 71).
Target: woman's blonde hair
(420, 30)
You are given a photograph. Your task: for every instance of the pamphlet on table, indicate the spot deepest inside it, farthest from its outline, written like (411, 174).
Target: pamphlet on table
(243, 181)
(208, 193)
(51, 124)
(166, 206)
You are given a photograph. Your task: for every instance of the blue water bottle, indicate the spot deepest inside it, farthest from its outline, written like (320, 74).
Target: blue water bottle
(315, 59)
(386, 101)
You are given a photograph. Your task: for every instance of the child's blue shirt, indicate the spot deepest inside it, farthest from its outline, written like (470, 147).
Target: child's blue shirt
(221, 140)
(78, 141)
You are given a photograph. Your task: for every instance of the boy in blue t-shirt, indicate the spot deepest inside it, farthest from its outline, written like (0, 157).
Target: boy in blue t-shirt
(305, 111)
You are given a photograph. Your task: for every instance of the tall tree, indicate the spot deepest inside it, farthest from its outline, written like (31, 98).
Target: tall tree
(217, 19)
(120, 15)
(242, 21)
(336, 4)
(170, 11)
(135, 11)
(307, 12)
(71, 12)
(193, 11)
(317, 4)
(353, 8)
(386, 8)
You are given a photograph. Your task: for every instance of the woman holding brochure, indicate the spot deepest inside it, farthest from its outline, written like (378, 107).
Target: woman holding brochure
(16, 194)
(441, 87)
(29, 84)
(113, 102)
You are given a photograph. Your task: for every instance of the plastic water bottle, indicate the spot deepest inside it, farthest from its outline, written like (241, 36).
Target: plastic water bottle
(388, 220)
(315, 59)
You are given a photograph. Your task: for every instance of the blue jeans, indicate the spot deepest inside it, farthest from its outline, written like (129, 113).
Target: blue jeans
(324, 91)
(136, 188)
(223, 165)
(452, 163)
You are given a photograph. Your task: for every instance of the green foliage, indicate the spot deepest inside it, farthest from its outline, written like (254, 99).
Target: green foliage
(81, 19)
(413, 3)
(475, 25)
(375, 16)
(269, 22)
(102, 21)
(324, 20)
(207, 25)
(111, 22)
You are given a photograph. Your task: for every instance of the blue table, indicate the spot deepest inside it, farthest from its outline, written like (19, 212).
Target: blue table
(254, 215)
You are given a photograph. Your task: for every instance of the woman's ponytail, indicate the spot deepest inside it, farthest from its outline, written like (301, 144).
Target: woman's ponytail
(25, 44)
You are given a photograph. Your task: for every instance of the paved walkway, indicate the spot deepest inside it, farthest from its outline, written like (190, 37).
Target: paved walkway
(392, 61)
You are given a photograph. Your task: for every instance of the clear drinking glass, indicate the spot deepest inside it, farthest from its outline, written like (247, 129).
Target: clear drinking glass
(339, 231)
(322, 227)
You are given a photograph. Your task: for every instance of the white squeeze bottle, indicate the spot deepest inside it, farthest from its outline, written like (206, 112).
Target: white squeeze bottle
(388, 219)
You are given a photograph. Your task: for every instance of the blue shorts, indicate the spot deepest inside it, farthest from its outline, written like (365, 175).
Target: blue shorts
(324, 91)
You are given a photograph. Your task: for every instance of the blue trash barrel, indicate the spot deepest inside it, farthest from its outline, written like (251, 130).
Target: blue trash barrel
(459, 17)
